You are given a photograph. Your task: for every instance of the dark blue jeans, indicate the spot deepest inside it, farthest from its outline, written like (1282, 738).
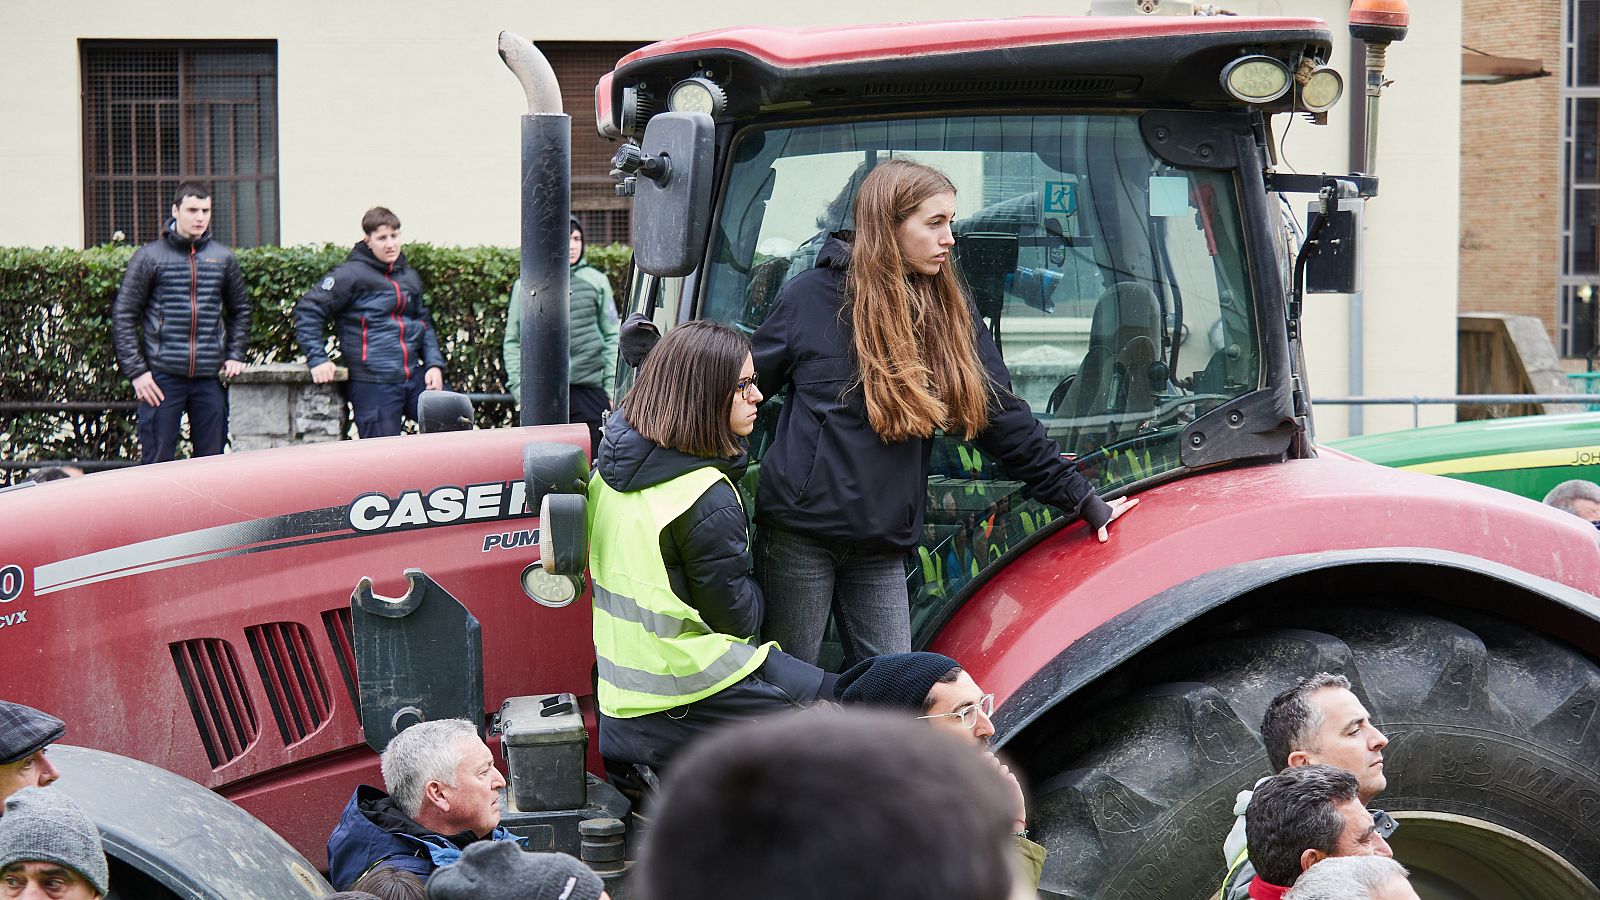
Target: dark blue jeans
(378, 406)
(804, 578)
(205, 401)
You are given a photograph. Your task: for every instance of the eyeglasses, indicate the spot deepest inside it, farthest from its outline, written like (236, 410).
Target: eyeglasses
(968, 714)
(744, 386)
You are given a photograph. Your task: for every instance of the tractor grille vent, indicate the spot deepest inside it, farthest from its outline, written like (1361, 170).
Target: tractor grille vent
(209, 673)
(1000, 86)
(295, 687)
(342, 637)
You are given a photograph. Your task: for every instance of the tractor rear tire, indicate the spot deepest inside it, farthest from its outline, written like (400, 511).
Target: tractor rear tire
(1491, 731)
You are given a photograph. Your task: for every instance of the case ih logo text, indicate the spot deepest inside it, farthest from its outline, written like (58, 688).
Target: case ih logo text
(447, 505)
(10, 583)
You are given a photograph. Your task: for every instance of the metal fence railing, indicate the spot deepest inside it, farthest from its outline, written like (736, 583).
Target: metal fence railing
(1417, 402)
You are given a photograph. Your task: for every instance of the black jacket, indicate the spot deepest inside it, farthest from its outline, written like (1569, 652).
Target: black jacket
(188, 297)
(828, 474)
(385, 332)
(706, 549)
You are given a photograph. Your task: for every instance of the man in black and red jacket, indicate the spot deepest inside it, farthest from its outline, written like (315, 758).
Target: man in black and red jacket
(186, 294)
(384, 330)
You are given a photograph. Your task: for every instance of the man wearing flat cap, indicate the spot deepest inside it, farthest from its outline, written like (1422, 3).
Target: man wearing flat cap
(25, 732)
(937, 690)
(49, 848)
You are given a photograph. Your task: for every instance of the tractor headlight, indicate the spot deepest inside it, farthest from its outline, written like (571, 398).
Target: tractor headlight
(545, 589)
(1256, 79)
(1321, 90)
(697, 94)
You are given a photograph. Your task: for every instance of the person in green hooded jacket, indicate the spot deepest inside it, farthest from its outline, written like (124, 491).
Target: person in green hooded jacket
(591, 341)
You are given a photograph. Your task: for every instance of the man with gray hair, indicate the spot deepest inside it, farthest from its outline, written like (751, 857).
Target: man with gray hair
(1319, 720)
(443, 794)
(1579, 497)
(1354, 878)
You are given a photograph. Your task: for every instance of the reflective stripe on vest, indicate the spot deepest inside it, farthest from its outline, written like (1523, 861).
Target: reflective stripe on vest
(1229, 889)
(653, 651)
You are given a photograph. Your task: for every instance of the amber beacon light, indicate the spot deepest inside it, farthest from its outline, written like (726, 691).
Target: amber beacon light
(1377, 23)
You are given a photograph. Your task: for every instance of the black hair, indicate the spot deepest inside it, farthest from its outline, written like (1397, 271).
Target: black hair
(1290, 722)
(190, 189)
(49, 473)
(947, 678)
(1294, 812)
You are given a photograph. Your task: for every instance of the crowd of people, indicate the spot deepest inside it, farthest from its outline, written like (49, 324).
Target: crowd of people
(896, 794)
(712, 707)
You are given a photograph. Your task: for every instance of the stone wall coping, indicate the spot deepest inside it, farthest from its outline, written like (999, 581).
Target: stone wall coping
(282, 373)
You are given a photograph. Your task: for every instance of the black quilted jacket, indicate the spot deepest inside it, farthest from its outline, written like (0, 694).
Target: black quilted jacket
(188, 299)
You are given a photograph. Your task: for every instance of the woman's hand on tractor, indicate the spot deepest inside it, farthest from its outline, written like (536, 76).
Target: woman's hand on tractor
(1118, 507)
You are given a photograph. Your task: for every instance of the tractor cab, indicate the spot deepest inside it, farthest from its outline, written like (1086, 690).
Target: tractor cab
(1114, 224)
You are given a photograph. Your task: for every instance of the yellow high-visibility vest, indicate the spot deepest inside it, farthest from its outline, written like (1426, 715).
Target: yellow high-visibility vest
(654, 652)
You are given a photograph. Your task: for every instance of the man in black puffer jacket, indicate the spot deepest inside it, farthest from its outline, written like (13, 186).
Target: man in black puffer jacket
(186, 293)
(383, 326)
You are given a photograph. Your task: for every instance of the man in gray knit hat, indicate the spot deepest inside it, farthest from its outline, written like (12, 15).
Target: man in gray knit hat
(500, 870)
(25, 732)
(49, 848)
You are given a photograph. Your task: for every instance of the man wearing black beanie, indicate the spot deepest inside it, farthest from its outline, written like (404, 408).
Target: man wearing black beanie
(936, 689)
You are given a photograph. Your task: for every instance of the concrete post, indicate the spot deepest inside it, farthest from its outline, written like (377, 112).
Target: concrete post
(277, 404)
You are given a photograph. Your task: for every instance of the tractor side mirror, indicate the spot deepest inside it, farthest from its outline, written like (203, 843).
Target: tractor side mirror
(672, 192)
(443, 411)
(550, 468)
(557, 479)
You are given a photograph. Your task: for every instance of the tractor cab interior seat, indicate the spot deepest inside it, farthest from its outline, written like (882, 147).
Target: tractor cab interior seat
(1124, 347)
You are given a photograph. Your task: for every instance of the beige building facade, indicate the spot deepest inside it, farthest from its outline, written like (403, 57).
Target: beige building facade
(406, 104)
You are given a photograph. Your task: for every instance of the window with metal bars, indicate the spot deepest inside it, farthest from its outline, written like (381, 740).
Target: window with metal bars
(578, 66)
(157, 113)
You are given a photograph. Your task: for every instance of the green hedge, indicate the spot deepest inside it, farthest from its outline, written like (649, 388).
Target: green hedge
(55, 308)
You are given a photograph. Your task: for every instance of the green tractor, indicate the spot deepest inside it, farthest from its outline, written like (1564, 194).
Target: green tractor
(1526, 456)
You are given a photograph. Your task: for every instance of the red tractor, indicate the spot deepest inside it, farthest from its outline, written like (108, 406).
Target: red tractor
(1120, 230)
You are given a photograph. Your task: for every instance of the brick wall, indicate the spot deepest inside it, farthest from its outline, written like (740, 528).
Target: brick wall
(1511, 164)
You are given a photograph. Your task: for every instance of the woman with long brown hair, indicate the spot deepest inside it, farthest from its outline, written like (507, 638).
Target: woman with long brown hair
(881, 347)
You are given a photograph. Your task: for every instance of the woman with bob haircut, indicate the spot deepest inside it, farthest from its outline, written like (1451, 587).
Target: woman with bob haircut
(881, 347)
(676, 609)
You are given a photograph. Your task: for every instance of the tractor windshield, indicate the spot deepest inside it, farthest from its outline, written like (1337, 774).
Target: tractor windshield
(1114, 284)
